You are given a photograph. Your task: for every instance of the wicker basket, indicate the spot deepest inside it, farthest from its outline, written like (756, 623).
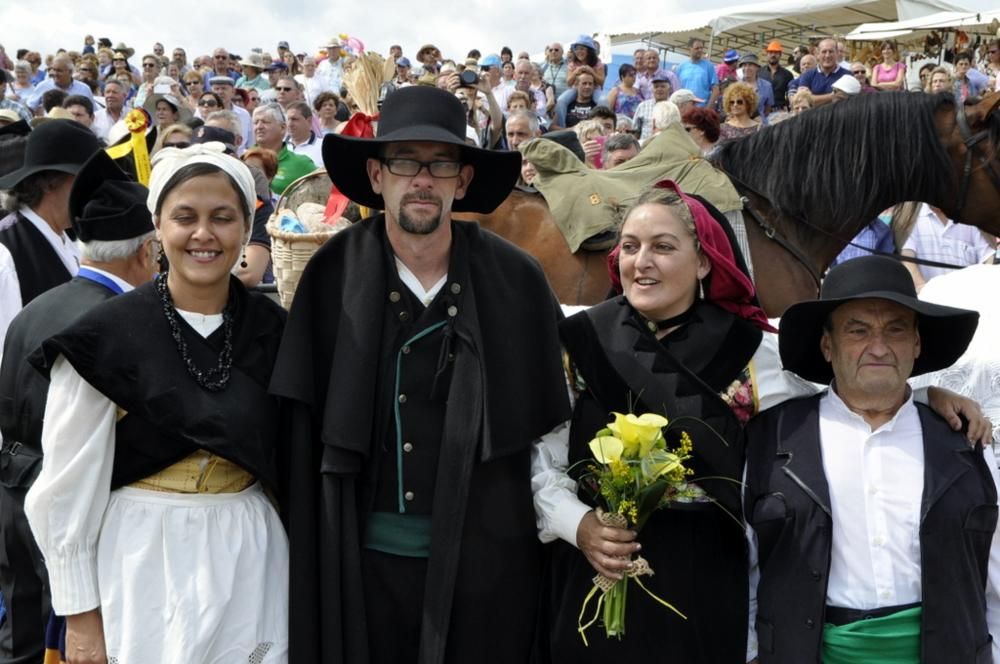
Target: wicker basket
(291, 251)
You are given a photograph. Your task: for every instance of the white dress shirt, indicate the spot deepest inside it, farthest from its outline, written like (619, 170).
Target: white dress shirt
(10, 286)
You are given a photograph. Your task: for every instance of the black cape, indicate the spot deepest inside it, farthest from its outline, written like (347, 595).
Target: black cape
(507, 389)
(124, 349)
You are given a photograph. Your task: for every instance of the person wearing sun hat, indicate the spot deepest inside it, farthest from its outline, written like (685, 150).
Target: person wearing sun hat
(727, 69)
(253, 66)
(874, 520)
(420, 361)
(115, 232)
(35, 252)
(331, 70)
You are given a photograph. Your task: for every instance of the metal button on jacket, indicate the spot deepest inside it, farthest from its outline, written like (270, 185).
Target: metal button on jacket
(402, 398)
(408, 495)
(394, 296)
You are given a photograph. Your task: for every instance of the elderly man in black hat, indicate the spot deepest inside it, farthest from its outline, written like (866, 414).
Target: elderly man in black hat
(35, 252)
(419, 363)
(876, 522)
(115, 232)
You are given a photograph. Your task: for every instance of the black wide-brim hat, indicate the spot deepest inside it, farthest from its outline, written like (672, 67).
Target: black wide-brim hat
(421, 113)
(56, 145)
(106, 205)
(945, 332)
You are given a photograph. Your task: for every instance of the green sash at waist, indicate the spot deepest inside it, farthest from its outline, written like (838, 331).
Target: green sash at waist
(892, 639)
(399, 534)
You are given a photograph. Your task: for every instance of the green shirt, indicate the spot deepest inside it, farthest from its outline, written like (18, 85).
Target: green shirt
(257, 81)
(291, 167)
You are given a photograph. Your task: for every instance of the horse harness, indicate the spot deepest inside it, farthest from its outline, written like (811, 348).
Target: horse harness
(972, 144)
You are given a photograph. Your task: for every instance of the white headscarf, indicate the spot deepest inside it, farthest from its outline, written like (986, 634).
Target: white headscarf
(168, 161)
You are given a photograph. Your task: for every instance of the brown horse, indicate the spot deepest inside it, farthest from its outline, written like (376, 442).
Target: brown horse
(813, 182)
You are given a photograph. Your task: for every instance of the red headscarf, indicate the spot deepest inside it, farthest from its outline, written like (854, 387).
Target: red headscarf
(728, 286)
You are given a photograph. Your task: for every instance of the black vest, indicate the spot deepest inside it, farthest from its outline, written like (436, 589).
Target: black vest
(23, 390)
(125, 350)
(38, 266)
(788, 504)
(414, 384)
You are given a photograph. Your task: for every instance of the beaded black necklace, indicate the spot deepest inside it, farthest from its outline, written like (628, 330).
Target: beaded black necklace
(215, 379)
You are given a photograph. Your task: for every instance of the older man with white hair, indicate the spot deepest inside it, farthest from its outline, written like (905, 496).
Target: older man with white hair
(269, 129)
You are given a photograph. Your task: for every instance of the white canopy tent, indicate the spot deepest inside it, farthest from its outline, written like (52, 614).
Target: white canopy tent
(750, 26)
(964, 20)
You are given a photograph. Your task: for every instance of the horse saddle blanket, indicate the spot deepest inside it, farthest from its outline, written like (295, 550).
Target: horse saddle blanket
(585, 202)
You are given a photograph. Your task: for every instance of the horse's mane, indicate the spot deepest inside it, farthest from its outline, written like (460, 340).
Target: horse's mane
(845, 162)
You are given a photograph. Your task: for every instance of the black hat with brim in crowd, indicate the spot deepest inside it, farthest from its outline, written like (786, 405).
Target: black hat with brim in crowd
(427, 114)
(57, 145)
(106, 205)
(19, 128)
(945, 332)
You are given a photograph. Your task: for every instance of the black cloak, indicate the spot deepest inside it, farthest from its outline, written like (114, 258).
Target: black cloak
(507, 389)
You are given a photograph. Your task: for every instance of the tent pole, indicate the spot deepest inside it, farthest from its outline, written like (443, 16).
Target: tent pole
(711, 40)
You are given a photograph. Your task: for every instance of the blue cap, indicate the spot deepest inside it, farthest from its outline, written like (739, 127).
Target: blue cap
(491, 60)
(584, 40)
(403, 62)
(730, 55)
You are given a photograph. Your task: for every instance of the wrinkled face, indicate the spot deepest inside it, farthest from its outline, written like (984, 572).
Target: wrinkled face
(871, 347)
(202, 227)
(554, 52)
(750, 71)
(584, 87)
(79, 114)
(225, 91)
(518, 131)
(660, 265)
(807, 62)
(418, 204)
(652, 61)
(828, 54)
(661, 90)
(165, 114)
(254, 99)
(522, 75)
(220, 59)
(150, 68)
(158, 49)
(618, 157)
(179, 56)
(940, 82)
(268, 132)
(114, 96)
(286, 90)
(309, 66)
(61, 72)
(298, 126)
(697, 51)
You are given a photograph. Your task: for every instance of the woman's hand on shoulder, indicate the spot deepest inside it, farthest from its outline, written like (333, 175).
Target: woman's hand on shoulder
(607, 548)
(958, 410)
(85, 638)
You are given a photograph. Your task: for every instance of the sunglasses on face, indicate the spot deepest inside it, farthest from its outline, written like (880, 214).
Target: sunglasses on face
(736, 102)
(860, 72)
(208, 103)
(148, 65)
(283, 89)
(180, 145)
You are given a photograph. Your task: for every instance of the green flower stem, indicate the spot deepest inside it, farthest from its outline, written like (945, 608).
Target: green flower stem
(614, 609)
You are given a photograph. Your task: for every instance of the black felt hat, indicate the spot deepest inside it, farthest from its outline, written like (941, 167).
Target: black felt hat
(945, 332)
(106, 205)
(19, 128)
(421, 113)
(57, 145)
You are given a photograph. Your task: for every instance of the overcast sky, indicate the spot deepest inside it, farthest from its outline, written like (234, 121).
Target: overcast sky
(198, 26)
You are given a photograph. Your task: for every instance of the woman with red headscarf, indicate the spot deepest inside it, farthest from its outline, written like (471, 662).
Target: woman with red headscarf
(684, 339)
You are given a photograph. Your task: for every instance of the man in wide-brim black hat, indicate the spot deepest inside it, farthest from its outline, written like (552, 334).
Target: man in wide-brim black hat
(115, 230)
(36, 254)
(419, 363)
(875, 521)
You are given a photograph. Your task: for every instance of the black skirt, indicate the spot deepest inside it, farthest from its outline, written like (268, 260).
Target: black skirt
(698, 554)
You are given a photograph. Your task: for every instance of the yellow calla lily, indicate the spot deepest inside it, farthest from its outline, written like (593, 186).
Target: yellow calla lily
(659, 463)
(606, 449)
(639, 433)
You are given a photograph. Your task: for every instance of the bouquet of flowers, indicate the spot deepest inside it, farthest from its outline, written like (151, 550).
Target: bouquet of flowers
(633, 473)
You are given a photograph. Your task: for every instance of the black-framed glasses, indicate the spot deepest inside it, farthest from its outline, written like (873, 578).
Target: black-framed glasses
(410, 167)
(148, 65)
(180, 145)
(862, 72)
(208, 103)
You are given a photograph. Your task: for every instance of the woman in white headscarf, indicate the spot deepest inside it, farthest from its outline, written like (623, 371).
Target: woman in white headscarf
(160, 443)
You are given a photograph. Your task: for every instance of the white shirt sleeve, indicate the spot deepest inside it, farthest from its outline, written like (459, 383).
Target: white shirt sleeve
(66, 504)
(993, 570)
(775, 385)
(10, 291)
(558, 510)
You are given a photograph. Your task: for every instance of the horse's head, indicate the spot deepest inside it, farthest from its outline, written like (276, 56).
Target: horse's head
(976, 150)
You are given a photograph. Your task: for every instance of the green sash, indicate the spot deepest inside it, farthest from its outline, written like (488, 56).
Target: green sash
(399, 534)
(893, 639)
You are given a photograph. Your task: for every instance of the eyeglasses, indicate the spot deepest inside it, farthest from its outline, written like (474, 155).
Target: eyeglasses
(84, 69)
(862, 72)
(148, 65)
(208, 103)
(284, 89)
(221, 57)
(736, 102)
(410, 167)
(117, 59)
(179, 145)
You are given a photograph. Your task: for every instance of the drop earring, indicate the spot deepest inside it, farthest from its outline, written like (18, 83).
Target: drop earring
(243, 260)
